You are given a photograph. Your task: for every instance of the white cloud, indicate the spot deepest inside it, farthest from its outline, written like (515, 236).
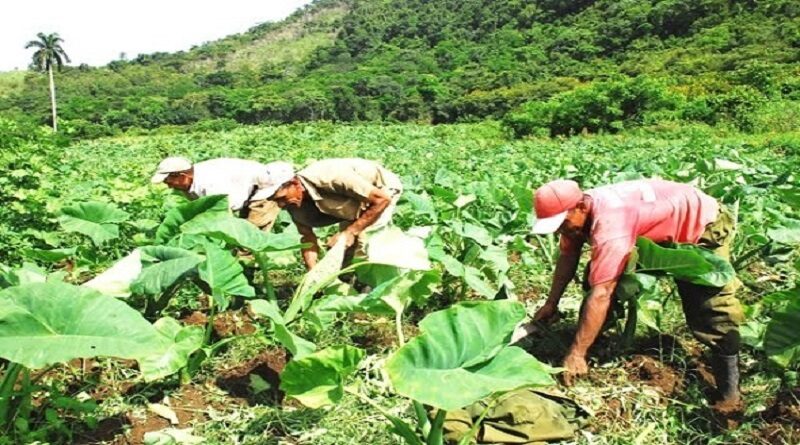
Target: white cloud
(96, 32)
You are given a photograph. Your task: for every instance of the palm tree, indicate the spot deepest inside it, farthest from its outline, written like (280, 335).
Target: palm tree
(48, 53)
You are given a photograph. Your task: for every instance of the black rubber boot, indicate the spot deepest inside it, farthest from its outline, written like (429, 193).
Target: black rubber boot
(726, 376)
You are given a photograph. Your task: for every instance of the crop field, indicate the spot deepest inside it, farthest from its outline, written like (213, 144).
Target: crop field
(132, 315)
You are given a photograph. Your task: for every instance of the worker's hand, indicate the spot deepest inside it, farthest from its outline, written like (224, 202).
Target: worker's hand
(575, 366)
(547, 314)
(350, 239)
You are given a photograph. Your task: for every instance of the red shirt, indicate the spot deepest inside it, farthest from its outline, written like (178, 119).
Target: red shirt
(653, 208)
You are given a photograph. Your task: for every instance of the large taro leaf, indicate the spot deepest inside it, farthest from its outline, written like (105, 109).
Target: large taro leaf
(182, 341)
(782, 338)
(116, 281)
(240, 233)
(163, 267)
(684, 262)
(317, 379)
(397, 293)
(462, 356)
(46, 323)
(787, 233)
(207, 206)
(390, 246)
(325, 271)
(223, 273)
(298, 346)
(50, 255)
(97, 220)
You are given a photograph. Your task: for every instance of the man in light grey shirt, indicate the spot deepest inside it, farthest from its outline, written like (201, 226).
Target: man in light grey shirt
(239, 179)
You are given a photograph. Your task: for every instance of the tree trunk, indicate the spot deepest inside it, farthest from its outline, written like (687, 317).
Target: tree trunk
(53, 98)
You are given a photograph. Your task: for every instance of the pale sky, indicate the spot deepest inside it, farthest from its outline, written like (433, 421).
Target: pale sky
(96, 32)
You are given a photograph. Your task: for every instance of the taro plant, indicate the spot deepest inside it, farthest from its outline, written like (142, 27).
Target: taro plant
(638, 287)
(460, 357)
(45, 324)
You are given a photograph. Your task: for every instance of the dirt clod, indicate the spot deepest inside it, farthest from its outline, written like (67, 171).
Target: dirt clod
(655, 373)
(267, 365)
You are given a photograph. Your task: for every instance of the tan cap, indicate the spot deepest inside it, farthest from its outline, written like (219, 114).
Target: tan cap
(170, 165)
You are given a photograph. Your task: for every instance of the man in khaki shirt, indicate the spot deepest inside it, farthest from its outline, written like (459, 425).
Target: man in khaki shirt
(358, 194)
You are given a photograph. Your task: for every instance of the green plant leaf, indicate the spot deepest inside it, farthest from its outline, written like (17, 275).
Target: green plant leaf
(298, 346)
(223, 273)
(317, 379)
(684, 262)
(462, 356)
(182, 341)
(116, 281)
(416, 286)
(47, 323)
(97, 220)
(390, 246)
(50, 255)
(474, 232)
(240, 233)
(207, 206)
(326, 270)
(162, 267)
(782, 338)
(787, 233)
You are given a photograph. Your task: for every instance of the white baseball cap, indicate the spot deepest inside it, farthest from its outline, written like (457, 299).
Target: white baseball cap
(275, 175)
(170, 165)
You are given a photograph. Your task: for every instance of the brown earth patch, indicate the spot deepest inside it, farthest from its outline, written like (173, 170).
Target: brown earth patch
(196, 318)
(231, 323)
(782, 419)
(655, 373)
(190, 404)
(267, 365)
(379, 333)
(226, 324)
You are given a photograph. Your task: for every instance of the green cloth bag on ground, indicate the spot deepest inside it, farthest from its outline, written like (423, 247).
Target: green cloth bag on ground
(523, 416)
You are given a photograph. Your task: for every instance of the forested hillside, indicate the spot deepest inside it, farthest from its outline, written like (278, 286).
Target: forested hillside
(544, 66)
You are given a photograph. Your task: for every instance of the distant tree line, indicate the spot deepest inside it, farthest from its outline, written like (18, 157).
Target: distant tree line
(545, 67)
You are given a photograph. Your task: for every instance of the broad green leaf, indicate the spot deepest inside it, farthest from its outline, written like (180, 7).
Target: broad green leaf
(317, 379)
(375, 274)
(50, 255)
(787, 233)
(477, 281)
(25, 274)
(46, 323)
(215, 205)
(182, 341)
(298, 346)
(97, 220)
(474, 232)
(685, 262)
(162, 267)
(416, 286)
(782, 339)
(392, 247)
(240, 233)
(223, 273)
(320, 276)
(462, 356)
(323, 311)
(116, 281)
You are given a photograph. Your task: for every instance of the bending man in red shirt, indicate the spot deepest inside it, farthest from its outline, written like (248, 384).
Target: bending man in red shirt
(611, 218)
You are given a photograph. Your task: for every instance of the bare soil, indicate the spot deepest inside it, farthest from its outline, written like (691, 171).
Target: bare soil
(782, 420)
(650, 371)
(267, 365)
(226, 324)
(189, 404)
